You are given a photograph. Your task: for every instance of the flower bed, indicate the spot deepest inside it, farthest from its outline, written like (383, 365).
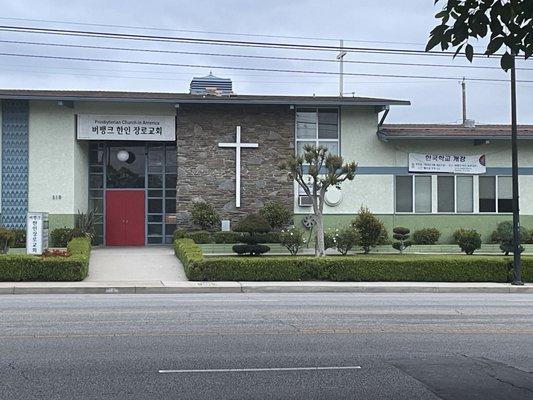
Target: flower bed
(357, 268)
(23, 267)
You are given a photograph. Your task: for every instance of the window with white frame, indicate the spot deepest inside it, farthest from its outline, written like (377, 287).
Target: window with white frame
(495, 194)
(317, 127)
(454, 194)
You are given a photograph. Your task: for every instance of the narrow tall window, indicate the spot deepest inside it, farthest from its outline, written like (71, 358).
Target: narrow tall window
(423, 194)
(404, 193)
(465, 194)
(505, 194)
(487, 194)
(446, 194)
(317, 127)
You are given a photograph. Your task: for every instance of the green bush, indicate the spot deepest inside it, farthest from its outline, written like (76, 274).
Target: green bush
(505, 237)
(329, 240)
(401, 235)
(60, 237)
(426, 236)
(292, 239)
(7, 239)
(204, 215)
(277, 215)
(468, 240)
(371, 230)
(23, 267)
(250, 249)
(253, 224)
(361, 268)
(268, 237)
(345, 239)
(226, 237)
(20, 238)
(200, 237)
(179, 234)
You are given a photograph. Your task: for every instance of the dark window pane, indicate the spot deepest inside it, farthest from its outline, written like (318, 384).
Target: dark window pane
(155, 229)
(155, 206)
(487, 194)
(169, 229)
(156, 156)
(170, 181)
(505, 194)
(96, 181)
(445, 194)
(96, 156)
(155, 181)
(170, 194)
(96, 205)
(155, 193)
(170, 206)
(171, 156)
(155, 240)
(126, 167)
(96, 169)
(155, 218)
(328, 124)
(404, 194)
(505, 205)
(96, 193)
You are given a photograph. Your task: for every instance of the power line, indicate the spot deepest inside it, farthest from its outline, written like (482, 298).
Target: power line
(152, 28)
(308, 59)
(102, 60)
(221, 42)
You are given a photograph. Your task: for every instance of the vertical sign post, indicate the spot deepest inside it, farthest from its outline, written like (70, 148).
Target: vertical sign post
(36, 233)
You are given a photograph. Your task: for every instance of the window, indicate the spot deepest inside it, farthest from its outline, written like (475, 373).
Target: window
(317, 127)
(414, 193)
(505, 194)
(487, 194)
(422, 194)
(404, 194)
(465, 194)
(495, 194)
(445, 194)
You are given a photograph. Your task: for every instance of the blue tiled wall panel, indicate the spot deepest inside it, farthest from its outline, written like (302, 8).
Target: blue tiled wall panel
(15, 128)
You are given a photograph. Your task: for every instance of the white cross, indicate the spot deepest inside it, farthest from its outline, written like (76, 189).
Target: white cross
(238, 145)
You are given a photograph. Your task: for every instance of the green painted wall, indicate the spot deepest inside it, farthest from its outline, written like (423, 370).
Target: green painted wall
(446, 224)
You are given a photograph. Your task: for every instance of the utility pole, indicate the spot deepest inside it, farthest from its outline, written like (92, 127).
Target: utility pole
(463, 87)
(516, 204)
(340, 57)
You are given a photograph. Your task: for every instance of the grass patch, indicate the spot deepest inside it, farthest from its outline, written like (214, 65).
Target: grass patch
(24, 267)
(355, 268)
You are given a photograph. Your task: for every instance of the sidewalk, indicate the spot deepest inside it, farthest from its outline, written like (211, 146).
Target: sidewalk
(174, 287)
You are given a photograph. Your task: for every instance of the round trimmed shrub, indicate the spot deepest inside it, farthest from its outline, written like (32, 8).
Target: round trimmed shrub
(504, 236)
(426, 236)
(61, 236)
(250, 249)
(277, 215)
(371, 230)
(204, 215)
(401, 234)
(468, 240)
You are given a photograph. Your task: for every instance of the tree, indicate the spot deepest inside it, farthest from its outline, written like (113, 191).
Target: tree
(324, 171)
(509, 24)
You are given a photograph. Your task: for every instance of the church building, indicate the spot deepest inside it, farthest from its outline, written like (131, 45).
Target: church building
(139, 160)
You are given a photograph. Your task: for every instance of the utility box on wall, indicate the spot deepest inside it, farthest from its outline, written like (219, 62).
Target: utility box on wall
(36, 232)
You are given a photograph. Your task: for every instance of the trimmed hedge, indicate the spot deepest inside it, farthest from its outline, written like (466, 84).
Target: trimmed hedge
(23, 267)
(358, 268)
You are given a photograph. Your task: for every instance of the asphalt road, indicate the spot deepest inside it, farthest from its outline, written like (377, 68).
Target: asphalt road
(267, 346)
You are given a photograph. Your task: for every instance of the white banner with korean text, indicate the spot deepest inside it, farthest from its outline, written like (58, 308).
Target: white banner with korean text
(447, 163)
(126, 127)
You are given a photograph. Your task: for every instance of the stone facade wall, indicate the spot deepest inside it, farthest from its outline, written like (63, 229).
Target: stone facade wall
(206, 172)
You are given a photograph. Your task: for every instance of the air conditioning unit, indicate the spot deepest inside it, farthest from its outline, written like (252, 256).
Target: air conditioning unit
(305, 201)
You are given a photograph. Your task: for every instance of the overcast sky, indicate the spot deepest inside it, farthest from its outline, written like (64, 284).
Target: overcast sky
(388, 23)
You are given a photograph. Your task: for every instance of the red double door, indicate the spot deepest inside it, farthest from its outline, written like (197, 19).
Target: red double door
(124, 217)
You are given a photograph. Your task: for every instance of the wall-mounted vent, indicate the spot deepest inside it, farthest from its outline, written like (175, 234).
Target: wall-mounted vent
(211, 85)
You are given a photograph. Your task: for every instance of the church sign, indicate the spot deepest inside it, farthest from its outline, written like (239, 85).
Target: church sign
(126, 127)
(447, 163)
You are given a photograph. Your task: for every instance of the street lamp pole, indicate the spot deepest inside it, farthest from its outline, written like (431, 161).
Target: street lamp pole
(516, 206)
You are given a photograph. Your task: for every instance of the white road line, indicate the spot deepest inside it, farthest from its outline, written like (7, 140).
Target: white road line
(201, 371)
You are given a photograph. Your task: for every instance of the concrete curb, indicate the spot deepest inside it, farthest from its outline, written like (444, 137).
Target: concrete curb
(170, 287)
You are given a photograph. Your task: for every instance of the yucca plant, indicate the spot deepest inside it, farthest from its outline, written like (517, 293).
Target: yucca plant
(86, 223)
